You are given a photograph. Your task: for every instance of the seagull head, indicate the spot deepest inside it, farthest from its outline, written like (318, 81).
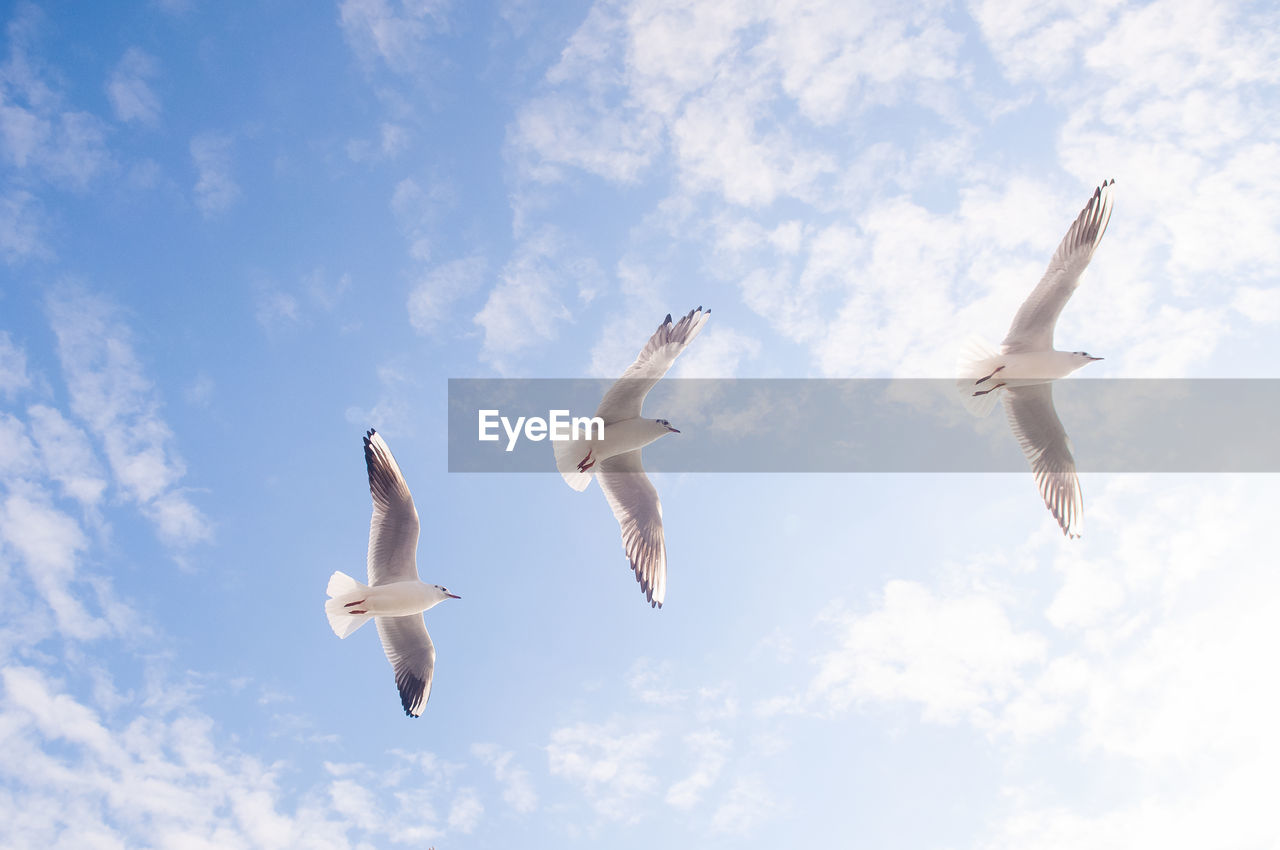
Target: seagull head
(665, 424)
(445, 594)
(1085, 356)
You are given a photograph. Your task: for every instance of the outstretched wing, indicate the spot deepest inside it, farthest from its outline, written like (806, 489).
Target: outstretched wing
(625, 398)
(393, 530)
(1047, 448)
(1032, 328)
(635, 505)
(412, 656)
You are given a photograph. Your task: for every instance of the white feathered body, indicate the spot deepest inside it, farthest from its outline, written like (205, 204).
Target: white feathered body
(391, 600)
(1025, 368)
(619, 438)
(352, 603)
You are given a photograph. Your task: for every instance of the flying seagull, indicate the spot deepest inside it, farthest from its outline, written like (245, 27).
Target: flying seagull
(1027, 362)
(614, 458)
(394, 597)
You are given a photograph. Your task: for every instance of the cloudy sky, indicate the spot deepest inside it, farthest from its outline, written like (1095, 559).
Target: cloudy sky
(234, 236)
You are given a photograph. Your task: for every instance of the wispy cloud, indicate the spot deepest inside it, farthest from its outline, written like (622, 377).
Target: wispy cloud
(215, 189)
(68, 458)
(957, 657)
(13, 365)
(42, 136)
(394, 32)
(110, 392)
(435, 293)
(517, 787)
(418, 211)
(390, 413)
(391, 141)
(317, 293)
(527, 306)
(129, 88)
(748, 804)
(48, 543)
(20, 217)
(169, 778)
(609, 764)
(707, 749)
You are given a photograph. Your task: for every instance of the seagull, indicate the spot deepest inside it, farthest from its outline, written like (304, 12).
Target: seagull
(1027, 362)
(394, 597)
(614, 457)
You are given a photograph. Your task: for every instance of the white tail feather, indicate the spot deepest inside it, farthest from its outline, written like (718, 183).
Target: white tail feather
(977, 360)
(343, 589)
(569, 454)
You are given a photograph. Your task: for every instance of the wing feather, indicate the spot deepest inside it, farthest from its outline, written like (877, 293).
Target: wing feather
(635, 505)
(625, 398)
(393, 529)
(412, 656)
(1032, 328)
(1045, 444)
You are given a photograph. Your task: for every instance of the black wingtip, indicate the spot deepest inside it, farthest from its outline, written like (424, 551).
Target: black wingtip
(667, 321)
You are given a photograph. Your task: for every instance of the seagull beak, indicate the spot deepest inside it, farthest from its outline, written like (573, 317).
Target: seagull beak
(1094, 358)
(452, 595)
(674, 430)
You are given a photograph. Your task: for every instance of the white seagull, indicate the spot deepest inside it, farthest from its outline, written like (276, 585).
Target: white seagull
(615, 457)
(394, 595)
(1027, 362)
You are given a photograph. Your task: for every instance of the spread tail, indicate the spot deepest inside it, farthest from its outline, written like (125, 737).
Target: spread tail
(570, 455)
(977, 360)
(343, 607)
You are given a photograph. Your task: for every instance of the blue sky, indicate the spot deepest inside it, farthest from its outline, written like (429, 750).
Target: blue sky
(234, 236)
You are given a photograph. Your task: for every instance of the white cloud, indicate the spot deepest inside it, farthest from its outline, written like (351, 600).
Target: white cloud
(527, 306)
(733, 106)
(278, 307)
(13, 366)
(623, 335)
(17, 455)
(958, 657)
(1117, 676)
(517, 789)
(48, 543)
(706, 80)
(417, 210)
(392, 140)
(20, 226)
(747, 804)
(1260, 305)
(608, 764)
(215, 189)
(40, 135)
(130, 91)
(708, 749)
(393, 31)
(111, 393)
(465, 811)
(273, 308)
(68, 458)
(719, 353)
(1036, 39)
(391, 413)
(437, 290)
(163, 778)
(200, 391)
